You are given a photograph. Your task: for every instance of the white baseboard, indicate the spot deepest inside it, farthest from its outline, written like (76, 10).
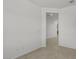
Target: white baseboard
(21, 54)
(63, 45)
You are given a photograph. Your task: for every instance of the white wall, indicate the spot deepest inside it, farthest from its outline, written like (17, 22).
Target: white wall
(22, 28)
(51, 25)
(67, 27)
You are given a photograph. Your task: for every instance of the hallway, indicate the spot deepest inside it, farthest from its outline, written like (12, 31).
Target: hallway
(52, 51)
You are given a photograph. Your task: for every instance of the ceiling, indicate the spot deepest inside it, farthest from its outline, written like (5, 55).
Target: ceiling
(52, 3)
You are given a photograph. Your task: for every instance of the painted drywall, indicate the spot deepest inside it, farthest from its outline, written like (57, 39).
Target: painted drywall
(67, 27)
(51, 25)
(22, 28)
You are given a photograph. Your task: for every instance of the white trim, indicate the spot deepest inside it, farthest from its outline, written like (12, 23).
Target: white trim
(43, 27)
(25, 53)
(44, 11)
(1, 29)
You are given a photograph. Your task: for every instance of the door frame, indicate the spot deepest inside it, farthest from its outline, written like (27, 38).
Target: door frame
(44, 11)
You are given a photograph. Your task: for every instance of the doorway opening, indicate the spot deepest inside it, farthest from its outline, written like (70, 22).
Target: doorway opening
(52, 31)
